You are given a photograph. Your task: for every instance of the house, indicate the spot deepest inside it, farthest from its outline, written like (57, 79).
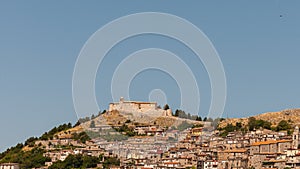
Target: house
(9, 166)
(266, 152)
(236, 158)
(207, 164)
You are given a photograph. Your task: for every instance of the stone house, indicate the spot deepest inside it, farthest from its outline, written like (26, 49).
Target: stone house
(236, 158)
(9, 166)
(268, 151)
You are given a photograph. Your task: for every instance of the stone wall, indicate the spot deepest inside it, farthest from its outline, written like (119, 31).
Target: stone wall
(132, 106)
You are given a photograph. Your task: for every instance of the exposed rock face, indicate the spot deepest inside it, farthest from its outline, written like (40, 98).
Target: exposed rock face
(291, 115)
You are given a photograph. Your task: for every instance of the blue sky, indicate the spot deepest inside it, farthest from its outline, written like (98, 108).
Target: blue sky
(257, 41)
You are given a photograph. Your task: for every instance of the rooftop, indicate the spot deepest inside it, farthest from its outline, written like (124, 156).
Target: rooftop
(269, 142)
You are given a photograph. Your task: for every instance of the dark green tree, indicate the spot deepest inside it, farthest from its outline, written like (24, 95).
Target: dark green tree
(283, 125)
(251, 123)
(166, 107)
(199, 118)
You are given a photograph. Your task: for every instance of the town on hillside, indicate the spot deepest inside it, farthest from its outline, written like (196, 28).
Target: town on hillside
(141, 135)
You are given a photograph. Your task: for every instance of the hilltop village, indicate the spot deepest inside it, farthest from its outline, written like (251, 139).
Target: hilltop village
(141, 135)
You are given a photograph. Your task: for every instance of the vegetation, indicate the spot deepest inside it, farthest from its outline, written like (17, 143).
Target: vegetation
(184, 125)
(76, 161)
(283, 125)
(216, 122)
(253, 124)
(83, 137)
(166, 107)
(108, 135)
(256, 124)
(125, 129)
(92, 125)
(111, 161)
(182, 114)
(27, 159)
(50, 134)
(81, 161)
(30, 142)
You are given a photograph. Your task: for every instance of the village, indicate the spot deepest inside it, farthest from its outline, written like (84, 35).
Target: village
(160, 147)
(200, 149)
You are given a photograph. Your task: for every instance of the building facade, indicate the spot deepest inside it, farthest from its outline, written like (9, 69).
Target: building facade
(135, 106)
(9, 166)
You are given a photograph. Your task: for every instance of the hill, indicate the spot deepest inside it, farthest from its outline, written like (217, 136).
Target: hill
(114, 118)
(290, 115)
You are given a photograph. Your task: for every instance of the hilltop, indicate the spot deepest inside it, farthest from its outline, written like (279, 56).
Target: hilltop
(118, 118)
(290, 115)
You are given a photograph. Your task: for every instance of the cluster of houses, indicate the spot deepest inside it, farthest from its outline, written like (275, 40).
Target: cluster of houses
(199, 148)
(192, 148)
(157, 147)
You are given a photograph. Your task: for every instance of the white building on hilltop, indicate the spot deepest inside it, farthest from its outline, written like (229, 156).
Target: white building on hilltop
(137, 106)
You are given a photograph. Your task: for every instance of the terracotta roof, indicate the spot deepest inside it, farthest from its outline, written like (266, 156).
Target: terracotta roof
(269, 142)
(276, 161)
(268, 153)
(235, 151)
(136, 102)
(172, 162)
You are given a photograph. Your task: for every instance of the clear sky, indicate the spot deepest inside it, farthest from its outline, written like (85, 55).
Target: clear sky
(258, 43)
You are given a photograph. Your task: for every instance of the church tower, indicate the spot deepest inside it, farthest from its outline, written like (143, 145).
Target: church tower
(296, 138)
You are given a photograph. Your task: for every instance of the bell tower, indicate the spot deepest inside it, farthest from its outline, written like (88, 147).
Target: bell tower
(296, 138)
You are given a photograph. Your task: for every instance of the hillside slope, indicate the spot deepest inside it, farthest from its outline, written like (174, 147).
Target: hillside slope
(291, 115)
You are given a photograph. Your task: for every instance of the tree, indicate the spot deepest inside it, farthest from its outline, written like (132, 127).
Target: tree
(283, 125)
(77, 123)
(184, 125)
(238, 125)
(69, 125)
(205, 119)
(76, 161)
(166, 107)
(189, 116)
(92, 125)
(176, 113)
(251, 123)
(110, 161)
(199, 118)
(104, 111)
(30, 142)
